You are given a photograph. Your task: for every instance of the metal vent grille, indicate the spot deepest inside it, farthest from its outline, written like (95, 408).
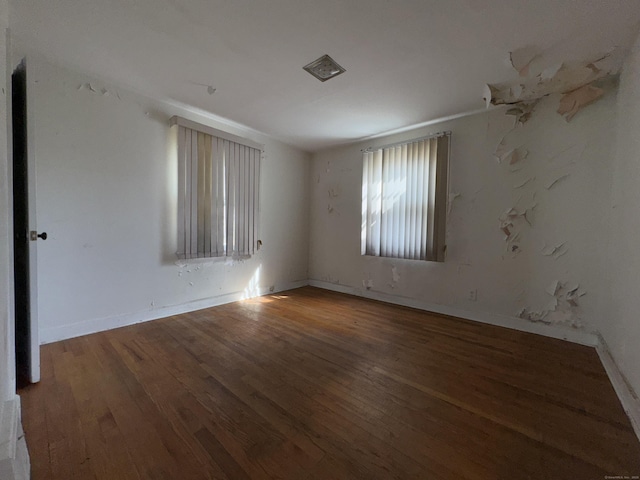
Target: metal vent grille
(324, 68)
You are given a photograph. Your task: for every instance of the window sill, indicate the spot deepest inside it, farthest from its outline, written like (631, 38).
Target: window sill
(181, 262)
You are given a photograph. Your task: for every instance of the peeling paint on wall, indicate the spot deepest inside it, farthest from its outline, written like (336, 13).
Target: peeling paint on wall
(502, 149)
(102, 91)
(87, 86)
(514, 156)
(562, 307)
(550, 184)
(511, 223)
(572, 102)
(575, 80)
(555, 251)
(567, 78)
(522, 111)
(522, 58)
(522, 183)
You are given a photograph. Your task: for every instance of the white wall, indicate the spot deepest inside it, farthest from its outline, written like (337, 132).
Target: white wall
(621, 327)
(7, 357)
(106, 186)
(574, 211)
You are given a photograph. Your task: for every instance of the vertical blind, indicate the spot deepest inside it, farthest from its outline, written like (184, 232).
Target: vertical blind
(404, 189)
(218, 193)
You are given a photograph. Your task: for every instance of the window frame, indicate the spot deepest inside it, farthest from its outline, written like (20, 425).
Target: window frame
(380, 164)
(221, 181)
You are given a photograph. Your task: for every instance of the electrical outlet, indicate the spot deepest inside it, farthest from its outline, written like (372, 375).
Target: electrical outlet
(473, 295)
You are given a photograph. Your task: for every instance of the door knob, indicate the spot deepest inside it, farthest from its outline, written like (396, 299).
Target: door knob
(33, 235)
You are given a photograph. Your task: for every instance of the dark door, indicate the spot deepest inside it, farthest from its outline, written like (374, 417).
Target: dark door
(21, 224)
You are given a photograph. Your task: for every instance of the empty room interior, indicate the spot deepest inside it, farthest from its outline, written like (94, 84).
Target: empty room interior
(320, 239)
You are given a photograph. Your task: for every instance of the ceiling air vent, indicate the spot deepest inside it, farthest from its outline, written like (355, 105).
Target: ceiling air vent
(324, 68)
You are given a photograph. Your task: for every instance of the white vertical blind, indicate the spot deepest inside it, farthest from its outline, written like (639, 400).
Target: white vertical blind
(404, 191)
(218, 207)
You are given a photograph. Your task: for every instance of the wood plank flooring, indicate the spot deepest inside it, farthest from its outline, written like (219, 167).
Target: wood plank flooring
(311, 384)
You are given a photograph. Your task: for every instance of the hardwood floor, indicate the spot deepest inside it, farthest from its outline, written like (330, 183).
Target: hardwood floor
(310, 384)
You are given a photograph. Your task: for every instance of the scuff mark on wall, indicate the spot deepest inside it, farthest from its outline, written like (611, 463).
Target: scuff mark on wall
(368, 284)
(394, 274)
(463, 263)
(452, 197)
(330, 279)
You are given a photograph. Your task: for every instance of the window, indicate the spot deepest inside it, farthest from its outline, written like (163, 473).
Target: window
(218, 192)
(404, 197)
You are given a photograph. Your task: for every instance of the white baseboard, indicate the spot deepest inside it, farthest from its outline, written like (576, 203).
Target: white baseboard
(626, 395)
(64, 332)
(14, 457)
(553, 331)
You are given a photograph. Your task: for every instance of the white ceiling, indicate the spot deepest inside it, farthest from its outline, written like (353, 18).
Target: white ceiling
(407, 61)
